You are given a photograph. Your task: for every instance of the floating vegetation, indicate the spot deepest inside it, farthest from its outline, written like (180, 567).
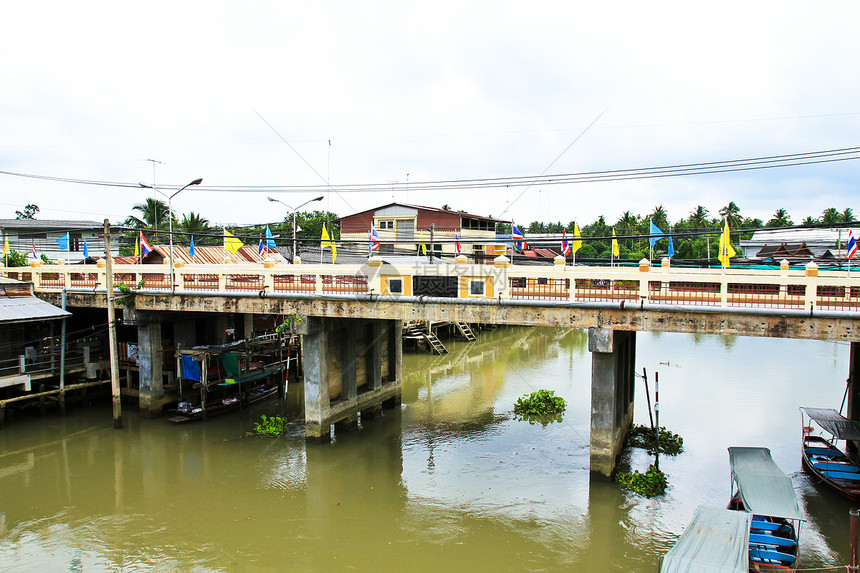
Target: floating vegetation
(651, 483)
(542, 406)
(641, 436)
(271, 427)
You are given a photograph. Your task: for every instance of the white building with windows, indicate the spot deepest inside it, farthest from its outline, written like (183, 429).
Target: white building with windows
(403, 228)
(27, 235)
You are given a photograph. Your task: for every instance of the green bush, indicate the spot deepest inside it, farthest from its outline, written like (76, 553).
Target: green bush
(641, 436)
(651, 483)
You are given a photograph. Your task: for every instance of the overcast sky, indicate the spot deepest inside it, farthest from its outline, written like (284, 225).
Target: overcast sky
(299, 93)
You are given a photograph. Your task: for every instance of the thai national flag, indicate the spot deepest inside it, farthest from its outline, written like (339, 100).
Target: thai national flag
(565, 245)
(852, 245)
(261, 248)
(457, 243)
(35, 256)
(374, 240)
(518, 237)
(145, 247)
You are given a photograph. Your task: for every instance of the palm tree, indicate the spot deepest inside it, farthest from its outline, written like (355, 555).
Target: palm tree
(810, 220)
(780, 219)
(627, 224)
(830, 216)
(194, 223)
(659, 217)
(732, 214)
(153, 215)
(848, 215)
(699, 217)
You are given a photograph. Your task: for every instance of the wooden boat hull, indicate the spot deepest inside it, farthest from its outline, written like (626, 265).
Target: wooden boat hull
(225, 405)
(831, 466)
(773, 542)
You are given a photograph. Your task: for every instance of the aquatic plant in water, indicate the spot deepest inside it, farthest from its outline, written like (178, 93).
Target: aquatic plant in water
(651, 483)
(641, 436)
(542, 406)
(270, 426)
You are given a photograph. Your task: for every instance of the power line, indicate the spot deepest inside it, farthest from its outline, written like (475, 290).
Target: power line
(677, 170)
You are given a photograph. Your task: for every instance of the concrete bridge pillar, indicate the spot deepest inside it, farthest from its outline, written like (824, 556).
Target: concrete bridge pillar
(352, 367)
(151, 398)
(853, 412)
(613, 359)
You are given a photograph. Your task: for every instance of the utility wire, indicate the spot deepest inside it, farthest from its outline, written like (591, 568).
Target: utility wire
(678, 170)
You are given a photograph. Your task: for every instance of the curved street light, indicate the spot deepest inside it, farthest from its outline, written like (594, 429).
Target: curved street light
(320, 198)
(170, 220)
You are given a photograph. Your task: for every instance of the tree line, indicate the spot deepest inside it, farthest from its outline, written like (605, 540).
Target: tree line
(693, 236)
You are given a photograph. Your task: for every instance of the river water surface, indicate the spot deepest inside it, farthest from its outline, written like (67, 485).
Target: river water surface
(449, 482)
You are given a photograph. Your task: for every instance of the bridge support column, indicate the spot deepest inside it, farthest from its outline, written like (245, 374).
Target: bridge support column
(613, 358)
(351, 366)
(151, 398)
(853, 411)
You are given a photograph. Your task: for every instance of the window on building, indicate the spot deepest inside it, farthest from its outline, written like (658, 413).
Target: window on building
(395, 286)
(405, 230)
(476, 287)
(386, 249)
(437, 247)
(386, 224)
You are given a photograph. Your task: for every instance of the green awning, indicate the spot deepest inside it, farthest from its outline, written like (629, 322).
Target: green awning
(716, 541)
(764, 489)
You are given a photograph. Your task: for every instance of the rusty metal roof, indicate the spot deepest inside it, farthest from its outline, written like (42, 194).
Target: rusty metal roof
(205, 255)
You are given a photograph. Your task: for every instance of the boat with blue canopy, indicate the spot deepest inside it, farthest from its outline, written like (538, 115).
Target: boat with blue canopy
(760, 488)
(822, 458)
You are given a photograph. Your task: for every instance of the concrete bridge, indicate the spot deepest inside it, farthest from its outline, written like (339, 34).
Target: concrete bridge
(351, 335)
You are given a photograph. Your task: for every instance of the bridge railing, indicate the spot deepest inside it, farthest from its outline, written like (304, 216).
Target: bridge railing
(782, 288)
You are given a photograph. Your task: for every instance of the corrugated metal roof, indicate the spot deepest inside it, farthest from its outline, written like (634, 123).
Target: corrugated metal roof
(28, 309)
(60, 224)
(205, 255)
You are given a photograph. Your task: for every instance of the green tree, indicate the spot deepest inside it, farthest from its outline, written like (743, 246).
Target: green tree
(780, 219)
(830, 216)
(153, 215)
(848, 215)
(732, 214)
(28, 213)
(660, 218)
(699, 217)
(810, 220)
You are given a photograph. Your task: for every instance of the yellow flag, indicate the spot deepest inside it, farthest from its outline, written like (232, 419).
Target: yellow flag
(726, 250)
(423, 246)
(5, 246)
(577, 238)
(327, 242)
(615, 250)
(231, 243)
(136, 247)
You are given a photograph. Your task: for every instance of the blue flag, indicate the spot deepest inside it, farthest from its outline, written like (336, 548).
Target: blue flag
(64, 242)
(86, 250)
(671, 246)
(270, 239)
(191, 249)
(656, 234)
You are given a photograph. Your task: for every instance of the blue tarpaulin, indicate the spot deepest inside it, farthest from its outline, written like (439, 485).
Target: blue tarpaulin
(190, 369)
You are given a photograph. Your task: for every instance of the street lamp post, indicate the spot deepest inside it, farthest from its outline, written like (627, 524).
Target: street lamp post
(320, 198)
(170, 221)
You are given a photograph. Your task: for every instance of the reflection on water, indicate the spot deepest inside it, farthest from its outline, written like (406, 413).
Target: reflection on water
(449, 482)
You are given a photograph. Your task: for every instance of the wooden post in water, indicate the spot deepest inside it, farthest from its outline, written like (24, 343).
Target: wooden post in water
(114, 364)
(657, 420)
(854, 516)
